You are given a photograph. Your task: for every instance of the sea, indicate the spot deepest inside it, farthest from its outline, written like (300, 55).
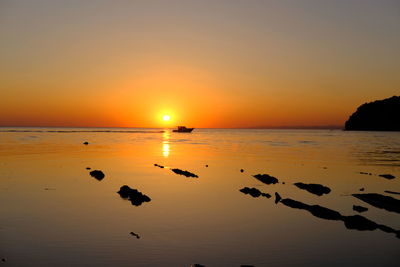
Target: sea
(54, 213)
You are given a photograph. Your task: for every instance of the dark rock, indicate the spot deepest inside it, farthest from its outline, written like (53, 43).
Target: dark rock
(99, 175)
(387, 176)
(241, 170)
(315, 189)
(294, 204)
(197, 265)
(124, 191)
(355, 222)
(134, 234)
(206, 165)
(359, 208)
(277, 197)
(380, 115)
(359, 223)
(185, 173)
(247, 266)
(88, 168)
(265, 195)
(366, 173)
(254, 192)
(386, 229)
(3, 260)
(316, 210)
(266, 179)
(362, 189)
(160, 166)
(324, 213)
(136, 197)
(392, 192)
(85, 143)
(380, 201)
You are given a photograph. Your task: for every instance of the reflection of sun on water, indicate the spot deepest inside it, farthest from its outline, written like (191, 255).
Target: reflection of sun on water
(165, 149)
(165, 144)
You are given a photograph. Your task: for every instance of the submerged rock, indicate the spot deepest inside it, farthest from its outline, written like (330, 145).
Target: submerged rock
(354, 222)
(135, 235)
(136, 197)
(88, 168)
(159, 166)
(266, 179)
(185, 173)
(86, 143)
(380, 115)
(254, 192)
(197, 265)
(362, 189)
(392, 192)
(359, 208)
(99, 175)
(387, 176)
(380, 201)
(316, 210)
(324, 213)
(360, 223)
(316, 189)
(277, 197)
(294, 204)
(241, 170)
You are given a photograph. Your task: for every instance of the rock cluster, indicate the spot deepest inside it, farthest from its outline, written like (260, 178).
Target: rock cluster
(136, 197)
(99, 175)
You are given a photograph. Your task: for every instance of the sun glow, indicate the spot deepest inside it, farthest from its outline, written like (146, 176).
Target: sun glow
(166, 117)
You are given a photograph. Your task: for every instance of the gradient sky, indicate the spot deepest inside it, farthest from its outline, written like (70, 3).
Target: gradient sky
(206, 63)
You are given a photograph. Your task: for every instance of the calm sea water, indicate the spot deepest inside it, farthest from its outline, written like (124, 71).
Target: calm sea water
(53, 213)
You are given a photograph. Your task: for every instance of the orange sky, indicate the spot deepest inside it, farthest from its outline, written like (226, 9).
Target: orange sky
(206, 63)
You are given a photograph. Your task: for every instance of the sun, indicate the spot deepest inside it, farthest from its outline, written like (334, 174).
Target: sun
(166, 117)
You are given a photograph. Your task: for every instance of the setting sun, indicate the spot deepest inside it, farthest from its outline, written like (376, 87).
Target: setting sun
(166, 118)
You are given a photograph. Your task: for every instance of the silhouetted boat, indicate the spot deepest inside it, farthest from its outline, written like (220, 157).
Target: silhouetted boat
(183, 129)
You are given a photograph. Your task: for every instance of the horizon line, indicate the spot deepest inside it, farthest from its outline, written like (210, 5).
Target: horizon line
(294, 127)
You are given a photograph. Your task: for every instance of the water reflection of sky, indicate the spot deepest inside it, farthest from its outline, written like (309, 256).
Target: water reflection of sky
(70, 211)
(165, 144)
(379, 157)
(377, 150)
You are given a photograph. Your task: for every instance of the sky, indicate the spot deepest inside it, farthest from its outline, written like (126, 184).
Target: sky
(212, 64)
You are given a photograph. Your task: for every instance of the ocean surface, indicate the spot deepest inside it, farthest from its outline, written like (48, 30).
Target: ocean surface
(53, 213)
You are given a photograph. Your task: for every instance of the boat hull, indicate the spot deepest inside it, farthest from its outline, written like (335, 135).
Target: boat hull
(187, 130)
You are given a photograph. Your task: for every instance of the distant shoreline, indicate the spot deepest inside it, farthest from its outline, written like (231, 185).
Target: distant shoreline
(334, 127)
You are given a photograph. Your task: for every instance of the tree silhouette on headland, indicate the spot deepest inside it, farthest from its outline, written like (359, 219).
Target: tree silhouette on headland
(380, 115)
